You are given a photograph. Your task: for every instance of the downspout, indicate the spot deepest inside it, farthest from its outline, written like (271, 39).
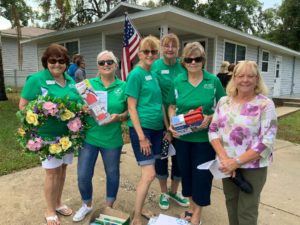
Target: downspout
(257, 56)
(293, 76)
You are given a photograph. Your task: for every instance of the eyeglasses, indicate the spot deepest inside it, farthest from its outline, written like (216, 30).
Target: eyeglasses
(108, 62)
(190, 60)
(147, 52)
(54, 61)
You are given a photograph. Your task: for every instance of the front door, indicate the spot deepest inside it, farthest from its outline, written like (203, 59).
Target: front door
(277, 80)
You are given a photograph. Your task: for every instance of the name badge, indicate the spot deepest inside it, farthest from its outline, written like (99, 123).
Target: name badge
(165, 72)
(50, 82)
(149, 77)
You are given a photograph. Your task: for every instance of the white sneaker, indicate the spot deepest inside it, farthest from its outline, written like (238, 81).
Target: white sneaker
(82, 212)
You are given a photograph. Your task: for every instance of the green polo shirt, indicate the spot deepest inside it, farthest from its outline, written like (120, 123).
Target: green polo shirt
(43, 83)
(187, 97)
(144, 87)
(110, 135)
(166, 74)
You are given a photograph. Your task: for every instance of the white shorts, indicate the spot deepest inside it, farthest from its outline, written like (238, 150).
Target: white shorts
(54, 162)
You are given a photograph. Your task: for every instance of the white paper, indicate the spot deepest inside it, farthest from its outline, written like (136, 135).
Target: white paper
(171, 152)
(102, 98)
(169, 220)
(213, 166)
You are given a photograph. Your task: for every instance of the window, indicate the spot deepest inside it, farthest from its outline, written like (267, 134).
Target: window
(265, 61)
(234, 52)
(72, 47)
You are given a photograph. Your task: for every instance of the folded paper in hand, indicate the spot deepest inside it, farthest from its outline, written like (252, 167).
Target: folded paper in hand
(213, 166)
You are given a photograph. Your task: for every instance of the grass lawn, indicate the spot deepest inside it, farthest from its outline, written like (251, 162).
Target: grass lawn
(11, 156)
(289, 127)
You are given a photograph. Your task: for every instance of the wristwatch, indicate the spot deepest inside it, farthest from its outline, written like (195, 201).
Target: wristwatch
(238, 161)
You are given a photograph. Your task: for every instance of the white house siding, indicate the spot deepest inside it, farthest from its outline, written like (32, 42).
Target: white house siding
(286, 75)
(90, 46)
(14, 76)
(297, 76)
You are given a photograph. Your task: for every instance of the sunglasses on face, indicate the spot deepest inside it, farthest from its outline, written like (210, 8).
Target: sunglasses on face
(147, 52)
(190, 60)
(108, 62)
(54, 61)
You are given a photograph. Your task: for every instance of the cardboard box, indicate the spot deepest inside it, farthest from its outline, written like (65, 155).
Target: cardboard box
(188, 123)
(109, 216)
(97, 103)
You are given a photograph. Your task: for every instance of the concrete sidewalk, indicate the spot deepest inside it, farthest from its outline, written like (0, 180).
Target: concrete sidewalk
(22, 200)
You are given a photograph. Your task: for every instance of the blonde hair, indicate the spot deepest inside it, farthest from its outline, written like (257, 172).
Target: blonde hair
(150, 41)
(260, 88)
(170, 38)
(191, 48)
(224, 67)
(110, 53)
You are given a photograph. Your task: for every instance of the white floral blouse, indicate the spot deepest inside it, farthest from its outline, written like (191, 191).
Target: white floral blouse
(241, 127)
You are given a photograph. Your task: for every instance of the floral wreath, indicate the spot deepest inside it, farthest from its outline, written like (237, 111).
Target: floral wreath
(37, 112)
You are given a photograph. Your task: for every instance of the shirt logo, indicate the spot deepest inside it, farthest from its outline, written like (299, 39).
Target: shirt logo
(50, 82)
(71, 85)
(118, 91)
(208, 86)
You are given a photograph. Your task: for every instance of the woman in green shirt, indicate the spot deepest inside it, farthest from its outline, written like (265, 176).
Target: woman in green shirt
(166, 70)
(195, 88)
(146, 121)
(54, 82)
(105, 139)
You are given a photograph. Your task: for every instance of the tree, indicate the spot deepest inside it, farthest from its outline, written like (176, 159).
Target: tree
(18, 13)
(239, 14)
(79, 13)
(287, 32)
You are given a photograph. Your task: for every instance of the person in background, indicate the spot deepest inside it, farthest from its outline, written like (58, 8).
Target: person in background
(223, 74)
(230, 69)
(242, 132)
(146, 122)
(80, 73)
(74, 66)
(52, 81)
(166, 70)
(106, 139)
(191, 90)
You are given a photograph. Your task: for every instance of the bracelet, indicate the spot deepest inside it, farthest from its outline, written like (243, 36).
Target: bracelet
(238, 161)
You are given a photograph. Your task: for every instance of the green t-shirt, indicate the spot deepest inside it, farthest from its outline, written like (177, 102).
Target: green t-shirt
(187, 97)
(43, 83)
(110, 135)
(166, 74)
(144, 87)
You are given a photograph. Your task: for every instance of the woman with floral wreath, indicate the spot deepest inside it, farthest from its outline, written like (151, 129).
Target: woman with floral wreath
(53, 82)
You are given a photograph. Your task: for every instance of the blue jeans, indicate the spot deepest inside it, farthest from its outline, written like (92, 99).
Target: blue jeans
(85, 169)
(155, 137)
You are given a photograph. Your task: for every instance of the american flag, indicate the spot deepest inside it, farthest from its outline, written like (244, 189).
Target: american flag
(131, 41)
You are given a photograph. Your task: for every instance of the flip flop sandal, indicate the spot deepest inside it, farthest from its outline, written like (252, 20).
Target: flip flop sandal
(52, 219)
(187, 216)
(64, 210)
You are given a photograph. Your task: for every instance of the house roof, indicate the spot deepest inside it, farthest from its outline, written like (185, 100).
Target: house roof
(149, 21)
(27, 32)
(121, 8)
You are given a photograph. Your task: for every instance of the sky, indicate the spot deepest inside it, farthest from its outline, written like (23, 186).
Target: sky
(5, 24)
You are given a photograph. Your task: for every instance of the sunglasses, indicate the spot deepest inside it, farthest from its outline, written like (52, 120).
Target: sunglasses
(147, 52)
(54, 61)
(108, 62)
(190, 60)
